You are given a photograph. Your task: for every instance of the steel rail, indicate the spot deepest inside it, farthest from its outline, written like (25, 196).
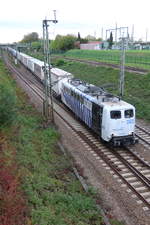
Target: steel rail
(148, 143)
(140, 136)
(143, 129)
(107, 160)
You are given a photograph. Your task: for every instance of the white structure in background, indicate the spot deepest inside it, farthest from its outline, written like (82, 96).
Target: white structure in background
(93, 45)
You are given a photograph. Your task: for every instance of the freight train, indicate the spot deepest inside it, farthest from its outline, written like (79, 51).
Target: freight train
(112, 119)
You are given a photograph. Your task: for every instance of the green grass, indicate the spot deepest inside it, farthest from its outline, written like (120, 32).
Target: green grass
(134, 58)
(7, 98)
(139, 59)
(53, 194)
(115, 222)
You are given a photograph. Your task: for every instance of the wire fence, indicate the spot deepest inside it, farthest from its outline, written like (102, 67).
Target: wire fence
(137, 59)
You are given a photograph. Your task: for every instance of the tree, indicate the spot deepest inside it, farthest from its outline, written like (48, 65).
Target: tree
(99, 39)
(30, 37)
(36, 45)
(81, 40)
(63, 42)
(90, 38)
(79, 37)
(110, 40)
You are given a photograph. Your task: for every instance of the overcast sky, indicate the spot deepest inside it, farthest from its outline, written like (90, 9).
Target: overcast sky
(18, 18)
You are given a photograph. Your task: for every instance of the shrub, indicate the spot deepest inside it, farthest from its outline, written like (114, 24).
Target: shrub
(60, 62)
(7, 104)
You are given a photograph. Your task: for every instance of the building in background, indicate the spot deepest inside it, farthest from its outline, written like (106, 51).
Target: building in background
(92, 45)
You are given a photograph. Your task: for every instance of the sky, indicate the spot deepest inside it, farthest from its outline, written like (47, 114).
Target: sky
(19, 18)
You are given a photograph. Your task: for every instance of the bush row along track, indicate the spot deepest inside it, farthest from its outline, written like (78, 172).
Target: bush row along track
(125, 165)
(127, 68)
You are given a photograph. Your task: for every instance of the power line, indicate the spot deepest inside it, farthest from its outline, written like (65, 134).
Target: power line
(123, 32)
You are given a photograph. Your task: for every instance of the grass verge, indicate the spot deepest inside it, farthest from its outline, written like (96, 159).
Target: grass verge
(137, 59)
(41, 175)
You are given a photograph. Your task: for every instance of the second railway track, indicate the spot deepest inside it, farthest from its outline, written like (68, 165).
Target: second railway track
(143, 136)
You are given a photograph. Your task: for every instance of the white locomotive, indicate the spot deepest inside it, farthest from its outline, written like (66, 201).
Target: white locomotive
(108, 116)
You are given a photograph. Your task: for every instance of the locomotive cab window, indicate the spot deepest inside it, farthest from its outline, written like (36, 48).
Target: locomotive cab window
(128, 113)
(115, 114)
(72, 93)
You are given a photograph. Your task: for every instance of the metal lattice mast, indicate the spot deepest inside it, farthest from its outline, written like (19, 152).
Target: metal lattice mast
(122, 66)
(48, 101)
(121, 30)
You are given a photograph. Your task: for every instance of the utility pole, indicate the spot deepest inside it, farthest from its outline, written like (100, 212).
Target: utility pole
(48, 111)
(146, 35)
(122, 65)
(116, 35)
(102, 33)
(132, 36)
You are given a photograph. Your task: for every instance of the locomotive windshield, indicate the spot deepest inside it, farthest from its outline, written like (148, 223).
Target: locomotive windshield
(128, 113)
(115, 114)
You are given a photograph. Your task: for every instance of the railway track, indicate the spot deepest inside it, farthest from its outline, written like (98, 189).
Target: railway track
(143, 135)
(132, 172)
(127, 167)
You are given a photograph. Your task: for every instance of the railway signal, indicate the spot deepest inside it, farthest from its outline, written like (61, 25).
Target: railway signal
(48, 102)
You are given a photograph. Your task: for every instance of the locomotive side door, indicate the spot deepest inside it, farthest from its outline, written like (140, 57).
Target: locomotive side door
(97, 118)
